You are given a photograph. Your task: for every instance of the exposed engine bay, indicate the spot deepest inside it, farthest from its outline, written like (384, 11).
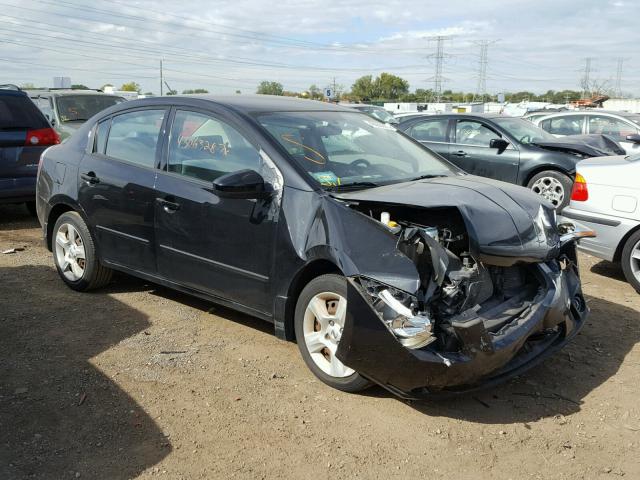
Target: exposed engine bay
(454, 286)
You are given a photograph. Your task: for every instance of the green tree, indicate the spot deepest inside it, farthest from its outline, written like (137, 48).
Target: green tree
(197, 90)
(130, 87)
(79, 86)
(270, 88)
(364, 88)
(391, 87)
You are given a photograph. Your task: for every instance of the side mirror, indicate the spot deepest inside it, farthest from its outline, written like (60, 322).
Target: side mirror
(247, 184)
(499, 143)
(635, 138)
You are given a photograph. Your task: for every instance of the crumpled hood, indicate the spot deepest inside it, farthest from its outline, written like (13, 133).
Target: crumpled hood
(506, 223)
(592, 145)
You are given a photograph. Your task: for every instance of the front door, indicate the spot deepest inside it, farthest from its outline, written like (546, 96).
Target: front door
(617, 129)
(471, 151)
(116, 187)
(221, 246)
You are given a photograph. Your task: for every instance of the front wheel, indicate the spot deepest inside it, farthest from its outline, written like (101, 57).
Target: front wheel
(630, 260)
(75, 255)
(319, 319)
(553, 186)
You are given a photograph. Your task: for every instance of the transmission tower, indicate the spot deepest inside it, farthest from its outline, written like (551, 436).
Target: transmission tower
(586, 78)
(619, 77)
(438, 79)
(481, 88)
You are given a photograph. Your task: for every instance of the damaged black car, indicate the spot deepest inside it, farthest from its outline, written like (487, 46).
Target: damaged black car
(385, 263)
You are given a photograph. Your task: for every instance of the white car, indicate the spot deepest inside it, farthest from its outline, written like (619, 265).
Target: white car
(623, 127)
(606, 198)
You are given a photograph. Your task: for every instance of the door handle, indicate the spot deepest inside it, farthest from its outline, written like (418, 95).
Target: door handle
(167, 205)
(459, 153)
(90, 177)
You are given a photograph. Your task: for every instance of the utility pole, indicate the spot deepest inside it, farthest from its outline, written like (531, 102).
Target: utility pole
(586, 78)
(438, 78)
(161, 79)
(619, 77)
(481, 88)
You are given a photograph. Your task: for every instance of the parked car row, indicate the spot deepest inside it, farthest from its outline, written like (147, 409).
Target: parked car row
(32, 121)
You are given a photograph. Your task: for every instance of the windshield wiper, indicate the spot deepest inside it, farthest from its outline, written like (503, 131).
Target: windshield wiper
(352, 185)
(422, 177)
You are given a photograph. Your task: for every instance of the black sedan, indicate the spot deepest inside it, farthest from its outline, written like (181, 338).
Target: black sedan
(509, 149)
(386, 264)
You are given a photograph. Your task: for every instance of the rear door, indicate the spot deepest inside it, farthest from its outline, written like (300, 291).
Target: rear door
(18, 157)
(116, 186)
(222, 246)
(616, 128)
(564, 125)
(471, 151)
(432, 133)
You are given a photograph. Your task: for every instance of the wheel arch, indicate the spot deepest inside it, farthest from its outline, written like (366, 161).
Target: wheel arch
(58, 207)
(307, 273)
(617, 256)
(543, 168)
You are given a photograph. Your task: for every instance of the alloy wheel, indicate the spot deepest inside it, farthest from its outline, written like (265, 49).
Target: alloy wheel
(322, 326)
(70, 252)
(549, 188)
(634, 260)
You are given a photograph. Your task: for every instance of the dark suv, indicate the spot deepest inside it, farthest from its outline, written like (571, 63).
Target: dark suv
(24, 134)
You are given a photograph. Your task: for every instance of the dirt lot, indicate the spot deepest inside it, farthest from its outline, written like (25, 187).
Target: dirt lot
(137, 381)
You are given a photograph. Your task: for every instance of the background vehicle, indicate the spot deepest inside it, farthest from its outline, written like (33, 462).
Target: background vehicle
(67, 110)
(24, 135)
(606, 197)
(374, 111)
(505, 148)
(384, 262)
(623, 127)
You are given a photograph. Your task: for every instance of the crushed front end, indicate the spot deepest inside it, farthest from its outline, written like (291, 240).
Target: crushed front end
(480, 316)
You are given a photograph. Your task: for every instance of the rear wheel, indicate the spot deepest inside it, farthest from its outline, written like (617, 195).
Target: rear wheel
(75, 256)
(630, 260)
(319, 320)
(553, 186)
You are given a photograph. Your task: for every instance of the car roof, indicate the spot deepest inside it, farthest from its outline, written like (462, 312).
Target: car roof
(12, 93)
(486, 116)
(592, 112)
(245, 103)
(62, 93)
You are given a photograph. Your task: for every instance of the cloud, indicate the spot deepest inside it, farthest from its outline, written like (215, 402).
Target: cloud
(229, 45)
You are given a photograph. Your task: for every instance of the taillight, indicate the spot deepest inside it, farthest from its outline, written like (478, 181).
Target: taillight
(42, 136)
(580, 193)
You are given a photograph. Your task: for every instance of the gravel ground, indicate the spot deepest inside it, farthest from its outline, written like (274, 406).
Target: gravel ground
(137, 381)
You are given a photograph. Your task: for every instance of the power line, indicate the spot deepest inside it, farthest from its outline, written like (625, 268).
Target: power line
(586, 78)
(439, 58)
(481, 88)
(619, 77)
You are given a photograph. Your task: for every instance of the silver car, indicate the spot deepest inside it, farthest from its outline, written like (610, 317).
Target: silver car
(623, 127)
(606, 198)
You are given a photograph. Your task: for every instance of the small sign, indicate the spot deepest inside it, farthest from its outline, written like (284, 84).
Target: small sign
(328, 92)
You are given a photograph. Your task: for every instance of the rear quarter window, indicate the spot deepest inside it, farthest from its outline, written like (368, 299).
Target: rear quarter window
(19, 112)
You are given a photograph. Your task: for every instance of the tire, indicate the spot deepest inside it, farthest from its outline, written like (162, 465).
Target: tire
(71, 237)
(631, 264)
(31, 206)
(319, 354)
(553, 186)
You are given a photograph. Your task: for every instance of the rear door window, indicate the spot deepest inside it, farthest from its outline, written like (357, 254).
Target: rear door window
(619, 129)
(204, 147)
(18, 112)
(433, 130)
(133, 136)
(565, 125)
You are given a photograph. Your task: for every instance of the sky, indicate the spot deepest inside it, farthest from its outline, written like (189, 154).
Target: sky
(224, 46)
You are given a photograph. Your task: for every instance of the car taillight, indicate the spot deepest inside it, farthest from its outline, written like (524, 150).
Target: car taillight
(580, 193)
(42, 136)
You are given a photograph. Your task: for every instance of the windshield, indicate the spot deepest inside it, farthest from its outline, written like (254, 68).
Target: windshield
(342, 150)
(523, 131)
(76, 108)
(634, 118)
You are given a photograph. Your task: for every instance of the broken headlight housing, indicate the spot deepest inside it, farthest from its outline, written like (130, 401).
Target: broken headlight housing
(398, 310)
